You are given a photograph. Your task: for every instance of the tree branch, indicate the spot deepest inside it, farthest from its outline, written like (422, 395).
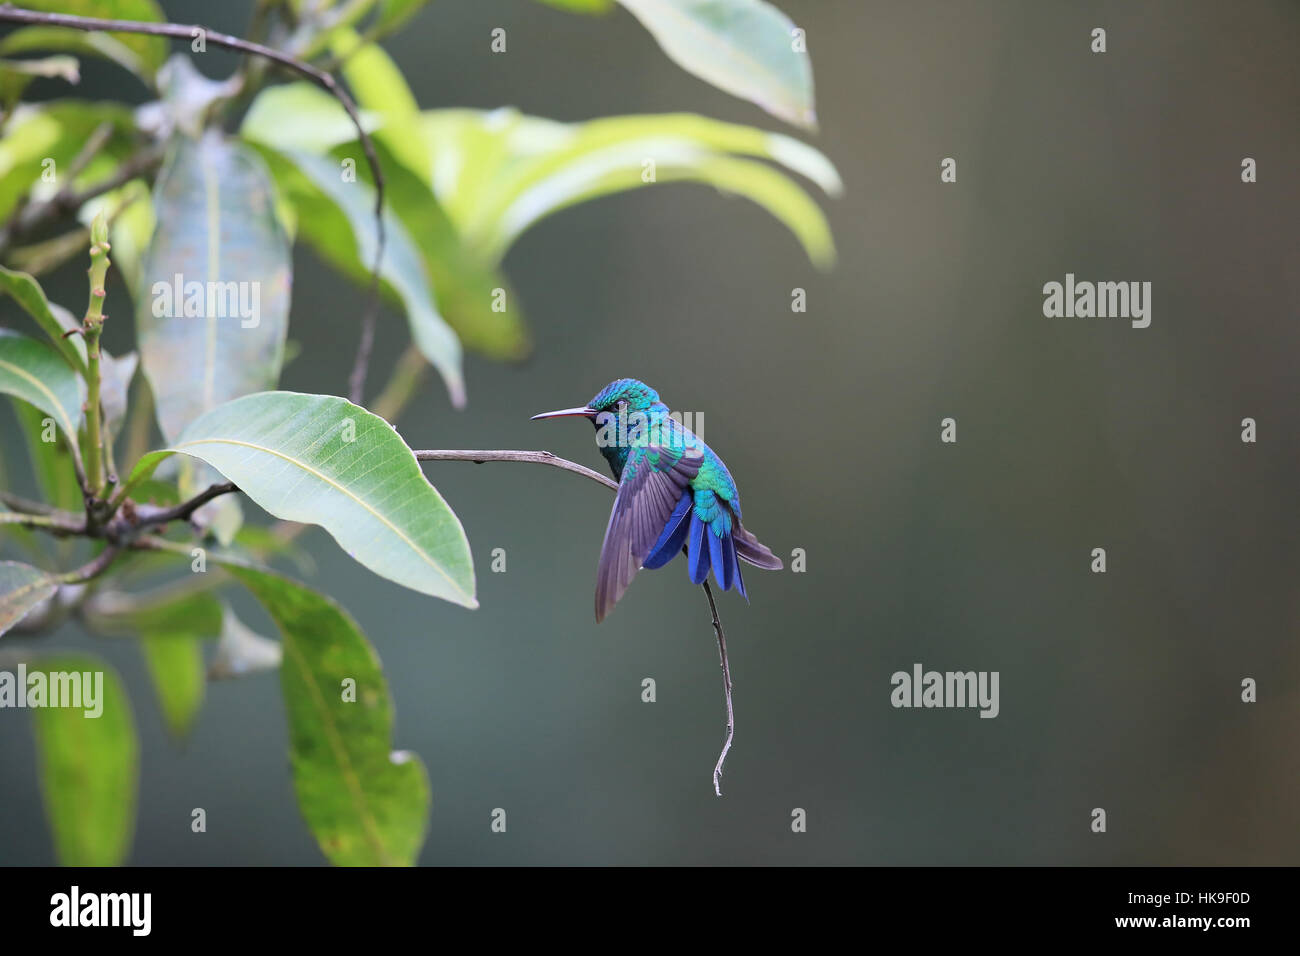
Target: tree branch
(57, 524)
(546, 458)
(185, 510)
(321, 78)
(533, 457)
(91, 569)
(726, 690)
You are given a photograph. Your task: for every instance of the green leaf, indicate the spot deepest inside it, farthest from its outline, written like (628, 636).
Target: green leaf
(22, 587)
(342, 231)
(35, 373)
(15, 75)
(745, 47)
(171, 628)
(175, 665)
(27, 293)
(40, 142)
(51, 460)
(319, 459)
(241, 650)
(264, 543)
(102, 45)
(379, 86)
(301, 116)
(365, 804)
(298, 116)
(152, 491)
(581, 6)
(521, 169)
(150, 51)
(465, 284)
(115, 373)
(111, 612)
(221, 334)
(393, 13)
(50, 67)
(89, 766)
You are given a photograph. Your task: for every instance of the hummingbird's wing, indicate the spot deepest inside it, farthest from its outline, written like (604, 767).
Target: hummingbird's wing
(654, 480)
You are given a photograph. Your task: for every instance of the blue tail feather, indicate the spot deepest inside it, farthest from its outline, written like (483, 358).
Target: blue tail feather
(699, 551)
(673, 536)
(716, 557)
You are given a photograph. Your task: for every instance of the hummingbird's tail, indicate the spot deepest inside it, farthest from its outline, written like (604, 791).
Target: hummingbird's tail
(712, 545)
(750, 550)
(708, 549)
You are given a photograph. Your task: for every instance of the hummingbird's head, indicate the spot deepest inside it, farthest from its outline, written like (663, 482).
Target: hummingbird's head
(628, 393)
(638, 396)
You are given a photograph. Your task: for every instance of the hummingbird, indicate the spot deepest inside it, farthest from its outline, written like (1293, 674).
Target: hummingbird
(674, 494)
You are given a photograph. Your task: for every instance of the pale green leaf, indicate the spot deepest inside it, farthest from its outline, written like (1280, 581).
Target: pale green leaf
(41, 141)
(394, 13)
(746, 47)
(298, 117)
(22, 587)
(175, 664)
(365, 804)
(378, 86)
(27, 292)
(103, 45)
(89, 766)
(150, 51)
(465, 284)
(51, 460)
(217, 331)
(536, 167)
(15, 75)
(318, 459)
(320, 195)
(35, 373)
(581, 6)
(171, 628)
(301, 116)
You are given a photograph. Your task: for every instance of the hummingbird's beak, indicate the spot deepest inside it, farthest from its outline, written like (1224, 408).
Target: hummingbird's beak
(582, 412)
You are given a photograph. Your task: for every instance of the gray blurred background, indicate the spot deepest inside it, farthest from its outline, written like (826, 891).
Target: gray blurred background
(1119, 690)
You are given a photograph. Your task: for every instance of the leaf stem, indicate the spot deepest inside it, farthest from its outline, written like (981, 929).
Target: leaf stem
(91, 327)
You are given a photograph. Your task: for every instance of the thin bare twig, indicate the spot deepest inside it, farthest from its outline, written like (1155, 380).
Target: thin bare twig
(546, 458)
(54, 524)
(26, 505)
(320, 77)
(726, 689)
(91, 569)
(185, 510)
(534, 457)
